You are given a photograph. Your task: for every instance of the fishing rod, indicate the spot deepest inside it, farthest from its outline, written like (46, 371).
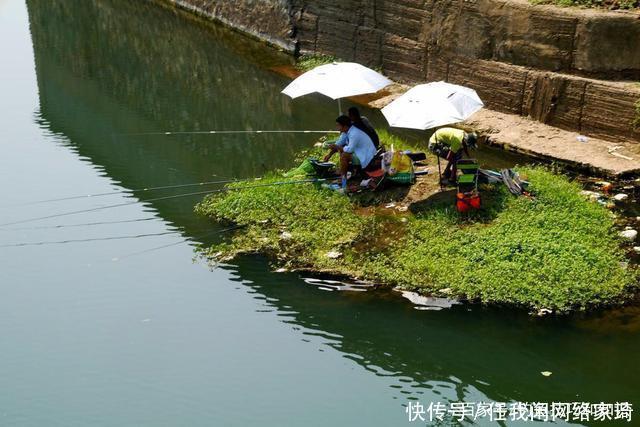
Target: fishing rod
(226, 132)
(135, 190)
(133, 236)
(94, 239)
(197, 193)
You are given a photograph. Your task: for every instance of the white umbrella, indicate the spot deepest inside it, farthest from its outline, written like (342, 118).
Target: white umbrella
(337, 80)
(431, 105)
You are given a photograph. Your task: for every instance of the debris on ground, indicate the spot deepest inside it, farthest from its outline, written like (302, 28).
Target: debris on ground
(629, 235)
(286, 235)
(605, 186)
(543, 312)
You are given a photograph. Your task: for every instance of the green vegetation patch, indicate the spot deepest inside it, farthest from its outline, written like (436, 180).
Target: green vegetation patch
(309, 62)
(297, 222)
(636, 121)
(556, 250)
(604, 4)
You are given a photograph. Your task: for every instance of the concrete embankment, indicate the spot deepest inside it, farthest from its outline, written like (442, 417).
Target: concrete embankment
(568, 68)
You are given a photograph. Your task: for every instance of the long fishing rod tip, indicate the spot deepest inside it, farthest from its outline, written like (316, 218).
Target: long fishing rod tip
(167, 133)
(212, 131)
(258, 131)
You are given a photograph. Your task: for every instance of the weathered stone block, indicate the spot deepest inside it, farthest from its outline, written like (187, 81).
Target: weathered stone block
(404, 19)
(605, 45)
(369, 46)
(337, 37)
(609, 109)
(403, 58)
(499, 85)
(437, 68)
(555, 99)
(307, 31)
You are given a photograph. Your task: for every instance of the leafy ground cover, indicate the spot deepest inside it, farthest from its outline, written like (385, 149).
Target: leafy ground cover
(556, 250)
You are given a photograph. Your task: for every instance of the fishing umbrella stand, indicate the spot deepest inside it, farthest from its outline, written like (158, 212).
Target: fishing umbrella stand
(432, 105)
(337, 80)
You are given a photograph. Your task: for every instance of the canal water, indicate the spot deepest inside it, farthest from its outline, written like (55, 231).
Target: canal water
(118, 330)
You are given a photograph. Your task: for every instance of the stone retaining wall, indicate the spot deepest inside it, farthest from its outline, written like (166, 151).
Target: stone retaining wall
(586, 42)
(564, 67)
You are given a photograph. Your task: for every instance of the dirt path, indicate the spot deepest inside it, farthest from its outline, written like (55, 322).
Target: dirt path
(533, 138)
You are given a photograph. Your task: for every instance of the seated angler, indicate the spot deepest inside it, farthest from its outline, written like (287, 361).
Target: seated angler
(355, 146)
(362, 123)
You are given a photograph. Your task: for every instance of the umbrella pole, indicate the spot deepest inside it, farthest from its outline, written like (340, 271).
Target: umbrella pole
(439, 173)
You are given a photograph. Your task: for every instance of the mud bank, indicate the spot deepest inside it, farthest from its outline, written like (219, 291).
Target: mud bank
(572, 69)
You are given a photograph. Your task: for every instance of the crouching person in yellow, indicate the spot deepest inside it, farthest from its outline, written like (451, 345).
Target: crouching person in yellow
(449, 144)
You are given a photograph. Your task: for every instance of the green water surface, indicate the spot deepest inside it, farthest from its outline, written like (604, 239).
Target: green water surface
(133, 332)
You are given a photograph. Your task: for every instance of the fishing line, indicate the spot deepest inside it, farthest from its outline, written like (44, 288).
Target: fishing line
(86, 224)
(197, 193)
(227, 132)
(177, 243)
(95, 239)
(136, 190)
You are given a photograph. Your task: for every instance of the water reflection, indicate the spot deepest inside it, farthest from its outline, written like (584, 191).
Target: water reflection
(462, 351)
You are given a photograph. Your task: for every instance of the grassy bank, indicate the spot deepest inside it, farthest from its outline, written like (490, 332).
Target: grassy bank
(309, 62)
(604, 4)
(556, 251)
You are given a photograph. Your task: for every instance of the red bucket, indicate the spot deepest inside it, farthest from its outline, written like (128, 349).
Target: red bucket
(467, 201)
